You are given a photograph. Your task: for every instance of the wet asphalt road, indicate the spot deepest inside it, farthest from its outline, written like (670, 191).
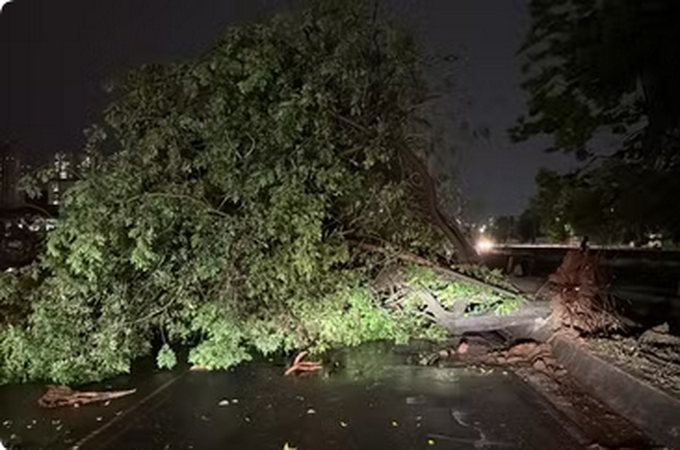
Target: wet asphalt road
(366, 405)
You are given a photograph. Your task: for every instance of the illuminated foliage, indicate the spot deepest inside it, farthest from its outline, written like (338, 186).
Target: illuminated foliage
(221, 222)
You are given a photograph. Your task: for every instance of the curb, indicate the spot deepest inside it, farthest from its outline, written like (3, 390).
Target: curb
(654, 411)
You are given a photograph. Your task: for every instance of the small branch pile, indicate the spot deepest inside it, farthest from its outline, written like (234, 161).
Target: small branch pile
(579, 295)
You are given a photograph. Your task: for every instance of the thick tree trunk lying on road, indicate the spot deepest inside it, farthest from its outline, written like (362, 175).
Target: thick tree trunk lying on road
(530, 314)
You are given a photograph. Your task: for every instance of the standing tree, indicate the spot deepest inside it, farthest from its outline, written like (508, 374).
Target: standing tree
(610, 67)
(504, 229)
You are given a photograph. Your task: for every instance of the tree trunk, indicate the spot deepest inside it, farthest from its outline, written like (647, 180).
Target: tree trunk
(531, 314)
(465, 252)
(443, 271)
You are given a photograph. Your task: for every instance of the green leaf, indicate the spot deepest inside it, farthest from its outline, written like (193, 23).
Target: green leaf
(166, 359)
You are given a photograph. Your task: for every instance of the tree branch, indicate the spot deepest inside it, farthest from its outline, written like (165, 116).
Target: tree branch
(466, 252)
(203, 203)
(415, 259)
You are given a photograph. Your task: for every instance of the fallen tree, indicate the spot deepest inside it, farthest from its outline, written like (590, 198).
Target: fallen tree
(223, 221)
(433, 286)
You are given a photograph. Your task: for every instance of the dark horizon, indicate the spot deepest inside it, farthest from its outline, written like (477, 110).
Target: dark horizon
(323, 232)
(61, 56)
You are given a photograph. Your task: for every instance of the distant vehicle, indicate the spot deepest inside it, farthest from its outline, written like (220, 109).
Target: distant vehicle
(655, 240)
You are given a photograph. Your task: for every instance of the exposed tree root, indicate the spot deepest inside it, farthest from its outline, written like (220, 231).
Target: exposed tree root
(579, 295)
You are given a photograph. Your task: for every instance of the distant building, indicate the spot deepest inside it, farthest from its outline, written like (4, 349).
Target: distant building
(10, 172)
(63, 179)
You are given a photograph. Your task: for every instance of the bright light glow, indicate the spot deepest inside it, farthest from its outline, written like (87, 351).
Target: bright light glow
(484, 245)
(2, 5)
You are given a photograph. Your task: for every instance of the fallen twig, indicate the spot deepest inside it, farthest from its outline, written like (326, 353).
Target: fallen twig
(302, 366)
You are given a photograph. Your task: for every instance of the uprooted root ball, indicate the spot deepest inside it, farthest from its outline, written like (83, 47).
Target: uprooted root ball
(579, 295)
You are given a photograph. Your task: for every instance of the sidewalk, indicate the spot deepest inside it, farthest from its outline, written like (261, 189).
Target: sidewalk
(653, 410)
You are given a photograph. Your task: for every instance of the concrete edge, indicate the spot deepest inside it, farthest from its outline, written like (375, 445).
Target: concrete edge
(654, 411)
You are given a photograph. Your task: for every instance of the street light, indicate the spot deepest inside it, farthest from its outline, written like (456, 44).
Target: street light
(484, 245)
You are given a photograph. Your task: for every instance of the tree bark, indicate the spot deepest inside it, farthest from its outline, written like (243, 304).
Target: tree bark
(465, 251)
(531, 314)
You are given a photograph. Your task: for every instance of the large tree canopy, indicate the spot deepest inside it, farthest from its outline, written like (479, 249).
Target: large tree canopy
(224, 221)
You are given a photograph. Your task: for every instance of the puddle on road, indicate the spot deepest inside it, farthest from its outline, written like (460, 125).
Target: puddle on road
(366, 398)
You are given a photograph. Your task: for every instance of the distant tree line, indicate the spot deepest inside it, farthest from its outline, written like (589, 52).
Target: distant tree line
(606, 68)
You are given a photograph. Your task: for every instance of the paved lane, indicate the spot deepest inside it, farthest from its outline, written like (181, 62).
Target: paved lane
(405, 408)
(365, 406)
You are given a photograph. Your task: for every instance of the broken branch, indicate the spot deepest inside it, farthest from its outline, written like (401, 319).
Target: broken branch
(302, 366)
(415, 259)
(61, 396)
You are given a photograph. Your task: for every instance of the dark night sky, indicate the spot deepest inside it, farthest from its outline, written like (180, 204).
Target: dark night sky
(56, 54)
